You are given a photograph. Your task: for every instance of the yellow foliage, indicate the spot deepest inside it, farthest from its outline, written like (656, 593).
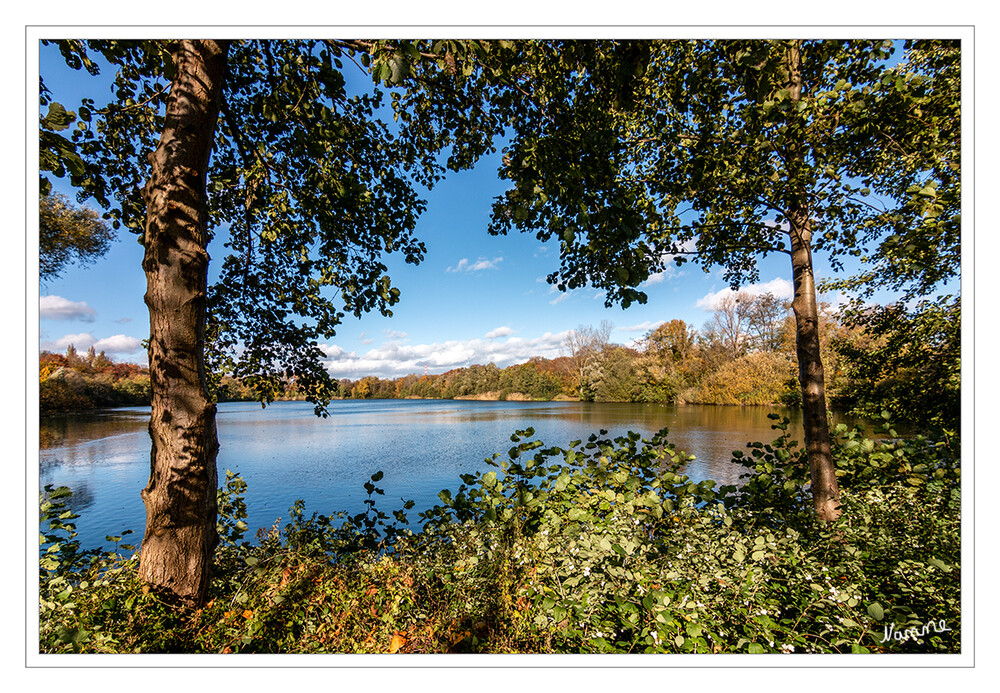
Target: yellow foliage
(45, 370)
(758, 378)
(398, 641)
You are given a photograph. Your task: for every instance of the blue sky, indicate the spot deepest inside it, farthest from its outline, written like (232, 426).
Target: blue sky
(475, 299)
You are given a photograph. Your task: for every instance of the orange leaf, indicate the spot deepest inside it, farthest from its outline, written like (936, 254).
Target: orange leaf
(248, 614)
(397, 642)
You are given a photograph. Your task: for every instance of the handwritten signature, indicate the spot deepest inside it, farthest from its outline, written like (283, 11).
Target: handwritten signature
(890, 632)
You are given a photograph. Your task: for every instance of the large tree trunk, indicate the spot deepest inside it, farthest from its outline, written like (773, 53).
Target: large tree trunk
(180, 497)
(825, 490)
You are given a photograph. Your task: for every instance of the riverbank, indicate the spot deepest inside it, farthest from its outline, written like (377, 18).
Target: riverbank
(498, 396)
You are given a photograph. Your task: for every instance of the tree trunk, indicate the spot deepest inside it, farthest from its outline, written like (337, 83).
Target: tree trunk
(180, 497)
(825, 490)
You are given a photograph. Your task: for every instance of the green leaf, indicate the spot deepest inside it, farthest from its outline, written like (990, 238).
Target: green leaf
(58, 118)
(938, 563)
(561, 482)
(875, 611)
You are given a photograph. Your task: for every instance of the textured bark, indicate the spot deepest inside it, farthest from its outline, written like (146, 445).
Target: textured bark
(825, 490)
(824, 486)
(180, 497)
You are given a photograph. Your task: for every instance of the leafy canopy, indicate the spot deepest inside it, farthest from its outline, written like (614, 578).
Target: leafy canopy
(68, 234)
(637, 154)
(311, 184)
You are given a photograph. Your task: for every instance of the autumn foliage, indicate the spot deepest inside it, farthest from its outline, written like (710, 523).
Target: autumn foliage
(72, 382)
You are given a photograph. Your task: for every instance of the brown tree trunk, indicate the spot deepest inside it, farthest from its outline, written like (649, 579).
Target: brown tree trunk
(825, 490)
(824, 486)
(180, 497)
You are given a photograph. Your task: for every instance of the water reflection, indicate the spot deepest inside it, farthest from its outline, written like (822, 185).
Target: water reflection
(83, 496)
(70, 430)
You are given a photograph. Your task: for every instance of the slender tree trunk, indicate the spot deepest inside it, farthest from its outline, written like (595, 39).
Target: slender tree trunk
(180, 497)
(825, 490)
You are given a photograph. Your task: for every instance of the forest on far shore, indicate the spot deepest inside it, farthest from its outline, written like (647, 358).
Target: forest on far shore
(876, 358)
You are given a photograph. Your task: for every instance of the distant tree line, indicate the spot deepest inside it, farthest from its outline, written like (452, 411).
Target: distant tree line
(877, 358)
(75, 382)
(743, 355)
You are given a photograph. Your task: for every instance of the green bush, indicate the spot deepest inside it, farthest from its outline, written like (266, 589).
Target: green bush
(58, 396)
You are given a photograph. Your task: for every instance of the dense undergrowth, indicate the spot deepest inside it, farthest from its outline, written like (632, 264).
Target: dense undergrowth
(602, 547)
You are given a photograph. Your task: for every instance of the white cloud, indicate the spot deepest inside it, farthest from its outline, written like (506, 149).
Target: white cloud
(782, 288)
(393, 359)
(670, 267)
(837, 301)
(81, 342)
(658, 277)
(393, 334)
(669, 272)
(59, 308)
(594, 294)
(499, 332)
(464, 265)
(118, 344)
(335, 352)
(642, 326)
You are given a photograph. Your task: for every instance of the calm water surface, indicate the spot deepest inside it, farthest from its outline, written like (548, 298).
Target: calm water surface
(285, 452)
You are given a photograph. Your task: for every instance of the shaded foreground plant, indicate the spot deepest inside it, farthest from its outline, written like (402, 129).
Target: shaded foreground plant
(605, 546)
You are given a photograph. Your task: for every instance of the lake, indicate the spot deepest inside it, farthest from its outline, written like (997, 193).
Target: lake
(285, 453)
